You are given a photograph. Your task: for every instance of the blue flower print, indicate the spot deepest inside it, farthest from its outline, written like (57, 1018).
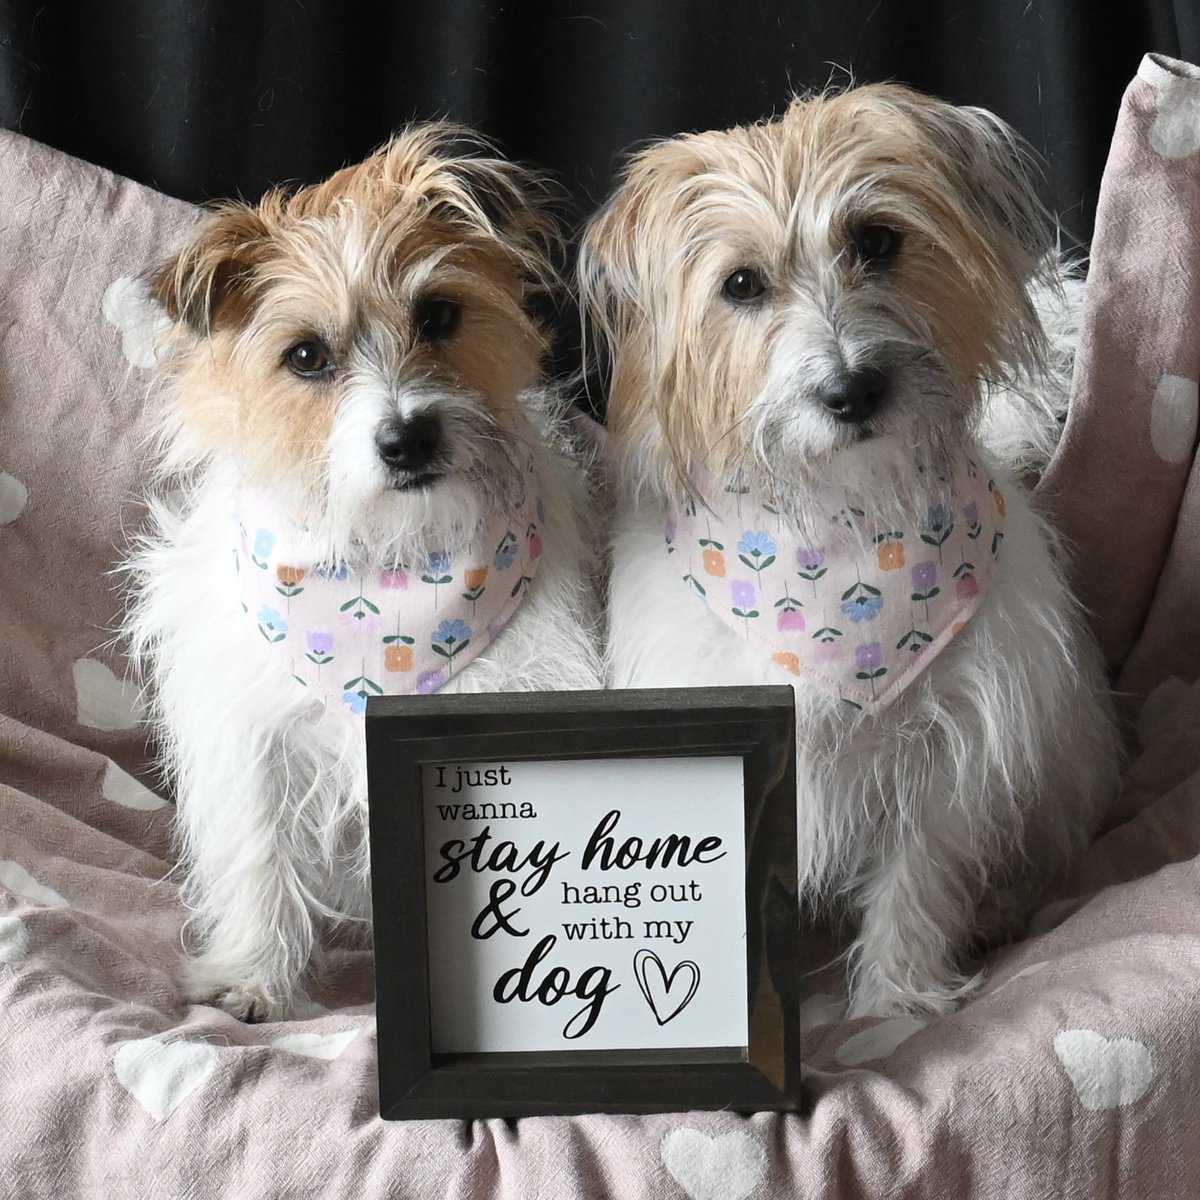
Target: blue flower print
(757, 550)
(271, 625)
(356, 702)
(329, 571)
(264, 543)
(757, 543)
(437, 571)
(450, 638)
(506, 552)
(863, 608)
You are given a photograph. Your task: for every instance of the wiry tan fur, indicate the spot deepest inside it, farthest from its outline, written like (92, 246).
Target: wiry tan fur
(936, 821)
(785, 196)
(270, 779)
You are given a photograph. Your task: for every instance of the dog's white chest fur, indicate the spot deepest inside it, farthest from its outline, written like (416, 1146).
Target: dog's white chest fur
(939, 798)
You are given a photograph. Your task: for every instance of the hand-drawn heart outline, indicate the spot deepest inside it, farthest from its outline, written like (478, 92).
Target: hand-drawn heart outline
(640, 961)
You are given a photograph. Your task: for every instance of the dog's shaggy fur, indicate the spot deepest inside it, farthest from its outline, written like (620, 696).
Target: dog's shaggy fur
(397, 288)
(738, 281)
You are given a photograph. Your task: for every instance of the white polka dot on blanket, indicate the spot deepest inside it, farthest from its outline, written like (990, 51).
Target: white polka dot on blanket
(160, 1076)
(127, 307)
(14, 877)
(316, 1045)
(13, 497)
(14, 939)
(1105, 1072)
(878, 1041)
(121, 788)
(104, 701)
(1173, 414)
(728, 1167)
(1175, 131)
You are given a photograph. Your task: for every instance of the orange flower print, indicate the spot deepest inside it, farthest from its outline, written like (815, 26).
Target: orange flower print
(891, 556)
(957, 628)
(398, 658)
(714, 563)
(998, 496)
(474, 577)
(290, 575)
(789, 662)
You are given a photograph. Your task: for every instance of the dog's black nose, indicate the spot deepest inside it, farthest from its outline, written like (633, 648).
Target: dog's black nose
(856, 395)
(411, 443)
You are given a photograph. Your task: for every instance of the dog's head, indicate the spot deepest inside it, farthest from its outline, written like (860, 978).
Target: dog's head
(359, 347)
(793, 298)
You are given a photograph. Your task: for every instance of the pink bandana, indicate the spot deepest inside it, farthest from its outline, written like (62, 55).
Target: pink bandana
(860, 609)
(349, 634)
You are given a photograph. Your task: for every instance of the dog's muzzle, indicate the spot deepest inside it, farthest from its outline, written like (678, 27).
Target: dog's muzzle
(855, 396)
(411, 447)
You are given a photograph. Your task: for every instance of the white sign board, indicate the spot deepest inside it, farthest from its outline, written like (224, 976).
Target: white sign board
(593, 904)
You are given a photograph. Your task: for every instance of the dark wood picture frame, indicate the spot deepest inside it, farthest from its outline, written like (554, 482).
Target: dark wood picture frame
(405, 734)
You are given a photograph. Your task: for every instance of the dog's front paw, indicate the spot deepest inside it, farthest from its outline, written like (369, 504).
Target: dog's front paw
(876, 995)
(205, 982)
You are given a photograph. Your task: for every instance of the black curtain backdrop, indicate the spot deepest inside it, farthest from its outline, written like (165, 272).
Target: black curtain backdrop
(213, 98)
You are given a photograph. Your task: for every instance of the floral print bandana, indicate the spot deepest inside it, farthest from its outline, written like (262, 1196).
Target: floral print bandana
(349, 634)
(862, 607)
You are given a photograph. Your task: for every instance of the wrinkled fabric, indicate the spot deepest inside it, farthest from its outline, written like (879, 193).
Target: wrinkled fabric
(1070, 1073)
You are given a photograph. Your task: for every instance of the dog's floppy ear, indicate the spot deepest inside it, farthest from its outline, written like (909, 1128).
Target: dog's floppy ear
(207, 284)
(618, 282)
(996, 169)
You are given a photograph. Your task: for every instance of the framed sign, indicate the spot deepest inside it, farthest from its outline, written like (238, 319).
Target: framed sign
(585, 902)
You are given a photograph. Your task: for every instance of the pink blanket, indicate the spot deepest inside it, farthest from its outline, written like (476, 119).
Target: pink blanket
(1071, 1074)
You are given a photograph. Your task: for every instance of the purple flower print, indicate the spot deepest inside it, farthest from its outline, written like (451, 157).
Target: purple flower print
(744, 595)
(393, 580)
(971, 513)
(790, 621)
(428, 682)
(869, 656)
(319, 641)
(356, 702)
(811, 558)
(924, 576)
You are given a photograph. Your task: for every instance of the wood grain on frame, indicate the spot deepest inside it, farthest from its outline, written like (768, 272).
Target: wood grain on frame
(405, 734)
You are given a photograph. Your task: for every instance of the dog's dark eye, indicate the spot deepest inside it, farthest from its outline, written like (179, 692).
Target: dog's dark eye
(438, 318)
(744, 285)
(876, 244)
(307, 358)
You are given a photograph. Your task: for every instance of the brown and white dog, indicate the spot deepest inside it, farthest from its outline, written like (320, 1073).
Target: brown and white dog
(372, 482)
(803, 318)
